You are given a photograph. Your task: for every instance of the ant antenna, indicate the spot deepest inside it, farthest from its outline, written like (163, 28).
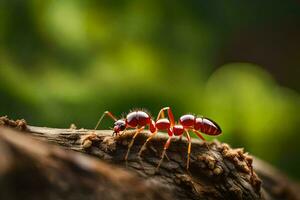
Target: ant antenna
(102, 116)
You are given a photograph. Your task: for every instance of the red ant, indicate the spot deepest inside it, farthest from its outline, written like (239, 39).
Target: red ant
(140, 119)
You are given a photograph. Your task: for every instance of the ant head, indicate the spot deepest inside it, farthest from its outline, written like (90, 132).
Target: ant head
(120, 125)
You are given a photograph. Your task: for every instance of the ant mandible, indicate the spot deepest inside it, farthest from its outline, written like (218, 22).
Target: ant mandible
(140, 119)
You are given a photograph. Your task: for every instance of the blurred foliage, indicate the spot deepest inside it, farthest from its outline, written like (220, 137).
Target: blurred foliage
(64, 62)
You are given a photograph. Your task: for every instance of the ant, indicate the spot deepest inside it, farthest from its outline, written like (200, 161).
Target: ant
(140, 119)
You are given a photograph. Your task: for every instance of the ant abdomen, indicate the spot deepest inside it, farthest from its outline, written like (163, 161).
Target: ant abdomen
(207, 126)
(201, 124)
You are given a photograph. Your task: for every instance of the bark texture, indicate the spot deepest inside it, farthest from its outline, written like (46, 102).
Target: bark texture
(37, 169)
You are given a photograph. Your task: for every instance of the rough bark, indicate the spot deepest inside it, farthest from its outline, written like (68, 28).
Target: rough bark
(216, 172)
(31, 169)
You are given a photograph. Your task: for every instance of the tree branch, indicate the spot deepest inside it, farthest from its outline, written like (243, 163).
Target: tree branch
(215, 173)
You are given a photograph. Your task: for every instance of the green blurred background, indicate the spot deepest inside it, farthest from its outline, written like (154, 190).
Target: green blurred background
(237, 62)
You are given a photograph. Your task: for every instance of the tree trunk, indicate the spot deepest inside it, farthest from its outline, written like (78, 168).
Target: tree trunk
(34, 169)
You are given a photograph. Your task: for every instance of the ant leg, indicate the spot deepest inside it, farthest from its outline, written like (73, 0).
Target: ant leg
(161, 113)
(170, 115)
(132, 141)
(189, 149)
(124, 132)
(144, 145)
(200, 136)
(102, 116)
(167, 144)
